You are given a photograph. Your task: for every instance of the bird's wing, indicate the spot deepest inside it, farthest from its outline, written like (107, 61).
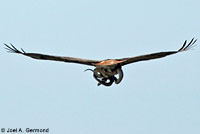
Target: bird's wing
(129, 60)
(13, 49)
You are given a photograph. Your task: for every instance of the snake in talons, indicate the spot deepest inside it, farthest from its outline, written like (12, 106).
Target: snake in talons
(106, 77)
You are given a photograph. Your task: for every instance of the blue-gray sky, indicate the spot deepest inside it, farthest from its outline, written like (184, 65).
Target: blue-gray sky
(155, 97)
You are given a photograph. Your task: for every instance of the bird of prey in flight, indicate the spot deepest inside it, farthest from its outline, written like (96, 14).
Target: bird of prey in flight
(106, 71)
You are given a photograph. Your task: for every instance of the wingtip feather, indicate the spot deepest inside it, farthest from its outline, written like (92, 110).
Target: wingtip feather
(13, 49)
(188, 46)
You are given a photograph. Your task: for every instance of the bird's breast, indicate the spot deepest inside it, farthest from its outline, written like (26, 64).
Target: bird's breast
(108, 62)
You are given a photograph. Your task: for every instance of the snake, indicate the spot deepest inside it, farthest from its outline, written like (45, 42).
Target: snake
(106, 76)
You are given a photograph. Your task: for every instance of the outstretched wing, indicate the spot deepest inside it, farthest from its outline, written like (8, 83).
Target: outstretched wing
(185, 47)
(12, 49)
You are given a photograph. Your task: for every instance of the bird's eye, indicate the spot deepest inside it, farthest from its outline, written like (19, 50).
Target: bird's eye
(98, 73)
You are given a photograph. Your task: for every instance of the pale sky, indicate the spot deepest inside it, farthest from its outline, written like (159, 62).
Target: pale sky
(155, 97)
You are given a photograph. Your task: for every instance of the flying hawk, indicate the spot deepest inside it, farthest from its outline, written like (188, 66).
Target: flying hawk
(105, 71)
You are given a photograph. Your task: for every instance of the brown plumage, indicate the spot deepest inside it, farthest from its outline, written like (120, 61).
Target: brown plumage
(105, 70)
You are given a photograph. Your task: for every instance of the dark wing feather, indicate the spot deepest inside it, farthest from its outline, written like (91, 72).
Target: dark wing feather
(185, 47)
(12, 49)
